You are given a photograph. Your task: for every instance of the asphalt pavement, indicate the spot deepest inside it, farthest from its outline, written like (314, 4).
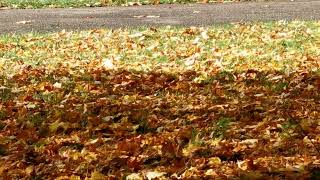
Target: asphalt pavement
(49, 20)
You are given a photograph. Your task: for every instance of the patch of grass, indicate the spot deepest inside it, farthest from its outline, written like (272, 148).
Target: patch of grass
(5, 94)
(35, 119)
(50, 3)
(51, 98)
(162, 59)
(2, 114)
(278, 87)
(221, 127)
(282, 46)
(288, 128)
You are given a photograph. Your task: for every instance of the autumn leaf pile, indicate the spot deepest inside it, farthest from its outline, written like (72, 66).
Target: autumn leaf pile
(232, 101)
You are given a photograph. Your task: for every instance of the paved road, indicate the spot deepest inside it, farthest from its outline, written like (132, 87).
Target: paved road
(46, 20)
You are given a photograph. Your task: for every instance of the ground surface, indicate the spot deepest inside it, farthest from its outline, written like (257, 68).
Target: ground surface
(43, 20)
(231, 101)
(32, 4)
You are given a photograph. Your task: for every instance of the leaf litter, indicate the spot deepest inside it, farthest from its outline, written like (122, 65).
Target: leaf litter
(239, 101)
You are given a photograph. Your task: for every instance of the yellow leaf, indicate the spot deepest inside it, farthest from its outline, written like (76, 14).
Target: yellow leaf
(54, 126)
(29, 170)
(211, 172)
(75, 177)
(62, 178)
(1, 169)
(154, 175)
(134, 176)
(95, 175)
(214, 161)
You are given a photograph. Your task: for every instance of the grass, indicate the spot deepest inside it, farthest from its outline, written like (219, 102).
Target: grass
(236, 100)
(49, 3)
(281, 46)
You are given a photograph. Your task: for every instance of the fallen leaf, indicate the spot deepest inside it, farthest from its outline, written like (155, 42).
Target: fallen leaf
(211, 172)
(139, 16)
(57, 85)
(154, 175)
(152, 16)
(108, 63)
(204, 35)
(95, 175)
(134, 176)
(23, 22)
(134, 4)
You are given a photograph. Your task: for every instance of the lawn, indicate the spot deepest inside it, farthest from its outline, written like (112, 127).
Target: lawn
(228, 101)
(96, 3)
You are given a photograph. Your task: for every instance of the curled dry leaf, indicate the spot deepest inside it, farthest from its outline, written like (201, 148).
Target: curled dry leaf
(23, 22)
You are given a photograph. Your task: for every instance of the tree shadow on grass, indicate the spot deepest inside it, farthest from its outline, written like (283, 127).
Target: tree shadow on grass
(259, 124)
